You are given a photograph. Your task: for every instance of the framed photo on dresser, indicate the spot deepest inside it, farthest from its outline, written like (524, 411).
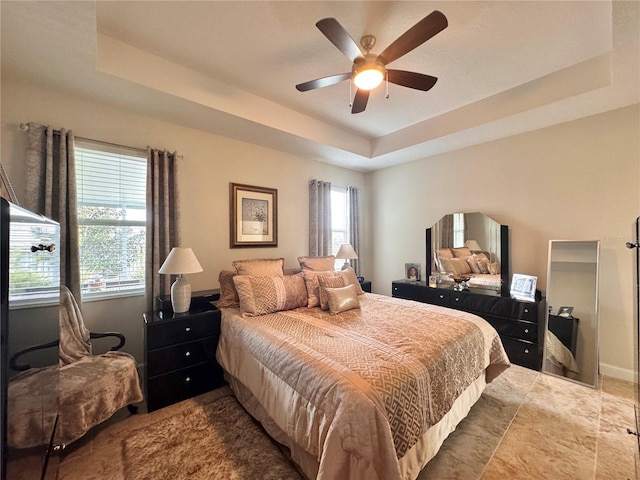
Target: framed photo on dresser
(412, 271)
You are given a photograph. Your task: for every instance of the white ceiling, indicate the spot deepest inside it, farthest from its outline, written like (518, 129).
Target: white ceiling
(231, 68)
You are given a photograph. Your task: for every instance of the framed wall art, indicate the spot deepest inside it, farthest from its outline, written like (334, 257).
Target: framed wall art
(253, 213)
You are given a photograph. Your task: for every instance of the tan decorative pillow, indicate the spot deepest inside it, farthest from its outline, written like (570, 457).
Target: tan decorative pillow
(260, 267)
(473, 263)
(444, 253)
(447, 266)
(483, 265)
(460, 252)
(262, 295)
(313, 287)
(494, 268)
(328, 282)
(460, 266)
(350, 278)
(319, 264)
(342, 299)
(228, 292)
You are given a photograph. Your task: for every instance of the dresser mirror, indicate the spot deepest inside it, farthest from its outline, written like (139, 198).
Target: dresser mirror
(470, 244)
(571, 334)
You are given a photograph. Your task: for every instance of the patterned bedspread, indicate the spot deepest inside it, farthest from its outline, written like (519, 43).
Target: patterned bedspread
(358, 389)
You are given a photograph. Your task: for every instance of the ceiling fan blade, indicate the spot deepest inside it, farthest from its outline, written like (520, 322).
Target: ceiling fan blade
(419, 81)
(339, 37)
(323, 82)
(360, 101)
(422, 31)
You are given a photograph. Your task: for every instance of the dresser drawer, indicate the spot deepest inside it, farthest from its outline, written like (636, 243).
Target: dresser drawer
(523, 353)
(194, 327)
(515, 329)
(178, 385)
(175, 357)
(525, 311)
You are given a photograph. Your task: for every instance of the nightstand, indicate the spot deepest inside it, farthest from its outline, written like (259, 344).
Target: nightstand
(180, 355)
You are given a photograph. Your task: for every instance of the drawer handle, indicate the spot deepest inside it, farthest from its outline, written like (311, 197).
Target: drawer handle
(187, 329)
(526, 310)
(187, 379)
(526, 350)
(395, 289)
(187, 353)
(441, 296)
(526, 330)
(457, 299)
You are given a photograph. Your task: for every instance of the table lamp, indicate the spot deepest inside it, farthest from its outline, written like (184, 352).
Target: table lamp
(180, 261)
(347, 252)
(472, 245)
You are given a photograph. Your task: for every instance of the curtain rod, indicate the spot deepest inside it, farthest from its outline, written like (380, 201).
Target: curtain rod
(25, 127)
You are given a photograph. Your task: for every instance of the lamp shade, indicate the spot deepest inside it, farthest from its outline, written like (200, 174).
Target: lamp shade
(179, 261)
(472, 245)
(346, 251)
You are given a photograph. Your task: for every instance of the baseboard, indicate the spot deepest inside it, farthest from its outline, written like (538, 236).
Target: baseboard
(617, 372)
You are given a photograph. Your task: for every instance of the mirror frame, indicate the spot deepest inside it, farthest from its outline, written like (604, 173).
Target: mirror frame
(594, 382)
(505, 263)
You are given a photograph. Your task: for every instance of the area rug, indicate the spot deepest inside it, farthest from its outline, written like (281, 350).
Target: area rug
(215, 440)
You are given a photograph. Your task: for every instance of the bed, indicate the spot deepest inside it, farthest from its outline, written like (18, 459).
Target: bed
(461, 261)
(368, 392)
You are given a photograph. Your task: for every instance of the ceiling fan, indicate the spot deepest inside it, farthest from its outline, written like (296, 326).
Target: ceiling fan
(368, 69)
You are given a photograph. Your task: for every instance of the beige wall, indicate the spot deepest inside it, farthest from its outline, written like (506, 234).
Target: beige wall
(210, 162)
(579, 180)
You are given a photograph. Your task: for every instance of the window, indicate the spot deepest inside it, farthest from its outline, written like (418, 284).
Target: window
(458, 230)
(111, 218)
(339, 221)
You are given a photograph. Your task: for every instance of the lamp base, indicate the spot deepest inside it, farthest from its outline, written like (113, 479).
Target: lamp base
(181, 295)
(345, 265)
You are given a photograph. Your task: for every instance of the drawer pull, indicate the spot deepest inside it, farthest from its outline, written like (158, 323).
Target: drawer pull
(526, 330)
(187, 353)
(457, 299)
(395, 289)
(526, 310)
(526, 350)
(187, 329)
(187, 379)
(441, 296)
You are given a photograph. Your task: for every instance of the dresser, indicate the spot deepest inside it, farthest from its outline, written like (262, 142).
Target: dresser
(520, 324)
(180, 355)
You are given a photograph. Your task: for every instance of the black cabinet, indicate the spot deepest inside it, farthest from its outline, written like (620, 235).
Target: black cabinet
(180, 355)
(566, 329)
(519, 323)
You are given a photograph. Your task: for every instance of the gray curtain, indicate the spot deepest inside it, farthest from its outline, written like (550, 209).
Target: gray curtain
(319, 218)
(163, 220)
(51, 191)
(354, 225)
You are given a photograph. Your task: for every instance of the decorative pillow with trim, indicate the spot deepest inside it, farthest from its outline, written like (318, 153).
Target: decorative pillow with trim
(313, 287)
(350, 278)
(342, 299)
(328, 282)
(461, 252)
(260, 267)
(473, 263)
(228, 293)
(262, 295)
(460, 266)
(494, 268)
(319, 264)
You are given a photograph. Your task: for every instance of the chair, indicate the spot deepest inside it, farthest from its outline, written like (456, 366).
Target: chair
(90, 388)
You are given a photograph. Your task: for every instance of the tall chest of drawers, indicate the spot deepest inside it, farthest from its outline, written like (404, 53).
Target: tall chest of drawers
(180, 355)
(520, 324)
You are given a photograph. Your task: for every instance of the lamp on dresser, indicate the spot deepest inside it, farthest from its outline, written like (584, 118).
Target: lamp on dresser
(180, 261)
(347, 253)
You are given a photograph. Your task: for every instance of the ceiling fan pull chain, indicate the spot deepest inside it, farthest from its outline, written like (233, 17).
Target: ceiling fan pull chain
(386, 74)
(350, 102)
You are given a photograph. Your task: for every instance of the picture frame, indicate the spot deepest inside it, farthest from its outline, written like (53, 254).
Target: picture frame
(565, 312)
(253, 216)
(412, 272)
(523, 287)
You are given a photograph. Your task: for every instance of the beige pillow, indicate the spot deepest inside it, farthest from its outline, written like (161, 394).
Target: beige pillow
(328, 282)
(262, 295)
(460, 266)
(350, 278)
(444, 253)
(319, 264)
(473, 263)
(483, 265)
(447, 266)
(342, 299)
(460, 252)
(228, 292)
(260, 267)
(313, 287)
(494, 268)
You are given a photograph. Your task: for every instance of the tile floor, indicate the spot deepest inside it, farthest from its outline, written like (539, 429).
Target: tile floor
(527, 425)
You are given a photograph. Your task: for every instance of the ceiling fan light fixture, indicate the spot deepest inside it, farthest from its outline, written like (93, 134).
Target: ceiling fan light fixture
(368, 75)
